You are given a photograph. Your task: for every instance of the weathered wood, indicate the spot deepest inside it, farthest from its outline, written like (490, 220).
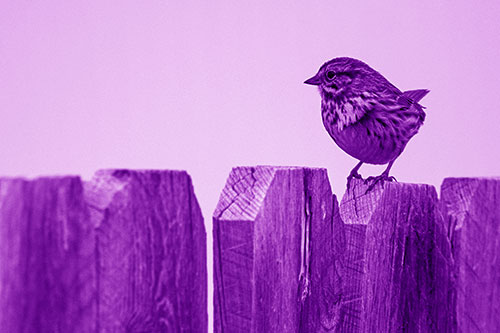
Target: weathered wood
(472, 210)
(277, 249)
(47, 270)
(151, 252)
(126, 252)
(397, 260)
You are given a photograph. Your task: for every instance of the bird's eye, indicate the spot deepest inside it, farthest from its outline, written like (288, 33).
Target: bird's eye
(330, 75)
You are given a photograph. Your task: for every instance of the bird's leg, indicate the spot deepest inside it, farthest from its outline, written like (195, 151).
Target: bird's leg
(354, 174)
(384, 176)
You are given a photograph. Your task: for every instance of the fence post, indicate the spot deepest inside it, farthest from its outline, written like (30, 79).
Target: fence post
(123, 252)
(47, 268)
(398, 260)
(277, 247)
(472, 211)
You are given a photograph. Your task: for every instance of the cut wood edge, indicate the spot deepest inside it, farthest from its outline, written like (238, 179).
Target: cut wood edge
(357, 205)
(456, 196)
(245, 191)
(106, 184)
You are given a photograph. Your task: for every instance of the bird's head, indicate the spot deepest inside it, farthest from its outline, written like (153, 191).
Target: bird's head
(340, 76)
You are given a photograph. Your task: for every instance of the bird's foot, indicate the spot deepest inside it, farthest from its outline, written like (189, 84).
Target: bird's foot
(353, 174)
(375, 179)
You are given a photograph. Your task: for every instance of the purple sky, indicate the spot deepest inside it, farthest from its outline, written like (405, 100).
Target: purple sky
(205, 86)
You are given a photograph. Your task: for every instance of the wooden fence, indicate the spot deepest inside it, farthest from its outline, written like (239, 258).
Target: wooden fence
(126, 252)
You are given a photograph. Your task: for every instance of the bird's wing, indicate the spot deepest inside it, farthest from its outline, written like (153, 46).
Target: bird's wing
(402, 105)
(399, 116)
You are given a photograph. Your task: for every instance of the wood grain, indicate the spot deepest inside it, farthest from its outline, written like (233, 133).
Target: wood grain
(277, 248)
(47, 268)
(472, 211)
(150, 252)
(398, 260)
(124, 252)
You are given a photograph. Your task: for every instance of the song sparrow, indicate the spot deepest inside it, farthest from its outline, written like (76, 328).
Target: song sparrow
(367, 116)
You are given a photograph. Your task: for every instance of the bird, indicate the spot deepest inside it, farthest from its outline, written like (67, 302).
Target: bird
(366, 115)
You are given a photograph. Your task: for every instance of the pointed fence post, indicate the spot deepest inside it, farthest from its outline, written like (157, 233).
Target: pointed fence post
(277, 249)
(398, 260)
(150, 252)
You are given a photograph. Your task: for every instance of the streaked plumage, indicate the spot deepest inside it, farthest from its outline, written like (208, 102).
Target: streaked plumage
(367, 116)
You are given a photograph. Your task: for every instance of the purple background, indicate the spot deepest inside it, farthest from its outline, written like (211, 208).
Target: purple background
(205, 86)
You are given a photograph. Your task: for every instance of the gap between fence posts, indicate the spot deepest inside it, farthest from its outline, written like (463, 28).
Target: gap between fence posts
(286, 260)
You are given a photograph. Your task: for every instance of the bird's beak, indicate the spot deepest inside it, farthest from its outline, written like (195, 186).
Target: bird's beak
(315, 81)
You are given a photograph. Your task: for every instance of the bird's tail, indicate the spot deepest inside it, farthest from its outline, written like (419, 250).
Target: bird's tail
(416, 95)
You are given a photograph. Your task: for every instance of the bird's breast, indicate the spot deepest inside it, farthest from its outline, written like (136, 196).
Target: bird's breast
(363, 142)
